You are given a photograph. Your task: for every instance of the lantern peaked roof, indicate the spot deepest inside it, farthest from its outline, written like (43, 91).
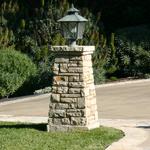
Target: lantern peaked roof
(72, 16)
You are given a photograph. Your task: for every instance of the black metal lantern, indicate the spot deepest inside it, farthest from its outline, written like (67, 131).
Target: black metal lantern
(73, 25)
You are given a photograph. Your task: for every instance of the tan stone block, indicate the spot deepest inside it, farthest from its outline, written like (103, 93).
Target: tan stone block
(69, 74)
(86, 57)
(88, 112)
(93, 101)
(80, 63)
(94, 108)
(61, 106)
(68, 100)
(93, 113)
(60, 83)
(54, 128)
(91, 119)
(56, 66)
(73, 65)
(55, 97)
(75, 69)
(57, 121)
(81, 103)
(76, 84)
(50, 120)
(73, 62)
(76, 58)
(81, 78)
(51, 105)
(58, 113)
(83, 111)
(74, 90)
(66, 121)
(56, 72)
(85, 92)
(51, 114)
(54, 89)
(62, 60)
(73, 106)
(70, 95)
(87, 64)
(96, 115)
(56, 78)
(63, 68)
(74, 78)
(78, 121)
(74, 113)
(62, 89)
(64, 78)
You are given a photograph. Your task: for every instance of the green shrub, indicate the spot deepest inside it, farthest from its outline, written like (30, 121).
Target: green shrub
(99, 60)
(15, 69)
(133, 60)
(99, 75)
(111, 65)
(147, 76)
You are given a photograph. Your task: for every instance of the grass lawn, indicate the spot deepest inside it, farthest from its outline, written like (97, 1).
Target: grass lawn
(18, 136)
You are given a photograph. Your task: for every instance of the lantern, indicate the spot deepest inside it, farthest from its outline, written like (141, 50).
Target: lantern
(73, 25)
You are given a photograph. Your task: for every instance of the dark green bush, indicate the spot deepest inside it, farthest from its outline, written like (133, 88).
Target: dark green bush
(99, 60)
(133, 60)
(40, 81)
(15, 69)
(111, 65)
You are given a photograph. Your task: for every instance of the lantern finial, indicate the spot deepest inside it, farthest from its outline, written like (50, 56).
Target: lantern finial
(72, 5)
(72, 10)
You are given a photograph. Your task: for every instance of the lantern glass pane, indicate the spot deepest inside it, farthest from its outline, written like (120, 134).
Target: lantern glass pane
(81, 27)
(70, 30)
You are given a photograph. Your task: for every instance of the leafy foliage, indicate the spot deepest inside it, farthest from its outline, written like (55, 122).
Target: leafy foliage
(31, 27)
(112, 59)
(133, 60)
(15, 69)
(7, 37)
(40, 29)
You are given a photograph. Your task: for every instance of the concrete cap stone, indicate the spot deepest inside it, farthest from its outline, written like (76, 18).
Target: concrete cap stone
(76, 49)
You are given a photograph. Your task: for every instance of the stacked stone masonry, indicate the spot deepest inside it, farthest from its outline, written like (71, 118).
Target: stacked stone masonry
(73, 98)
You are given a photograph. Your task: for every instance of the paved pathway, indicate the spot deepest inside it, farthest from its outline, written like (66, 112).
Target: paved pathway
(135, 137)
(120, 101)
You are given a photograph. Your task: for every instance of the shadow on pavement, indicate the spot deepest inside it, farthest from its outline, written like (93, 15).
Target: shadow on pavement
(40, 127)
(144, 127)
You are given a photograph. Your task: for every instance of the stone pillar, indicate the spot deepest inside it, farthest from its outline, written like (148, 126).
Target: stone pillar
(73, 99)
